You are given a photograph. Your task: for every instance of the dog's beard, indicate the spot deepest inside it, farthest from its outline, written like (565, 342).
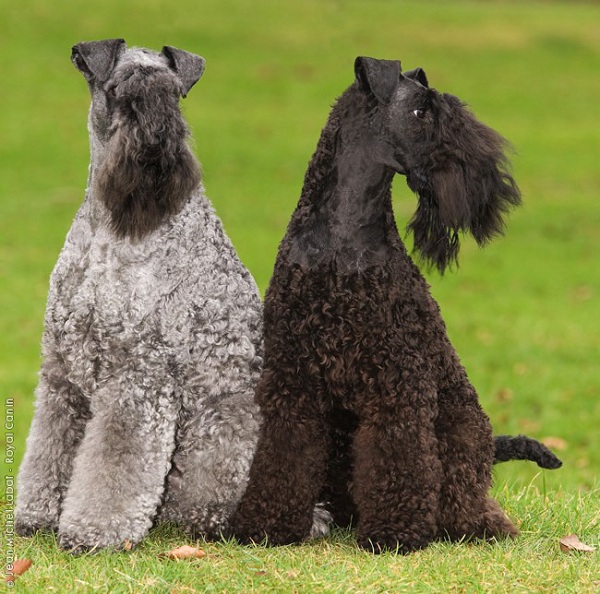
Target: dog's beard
(463, 185)
(436, 243)
(147, 176)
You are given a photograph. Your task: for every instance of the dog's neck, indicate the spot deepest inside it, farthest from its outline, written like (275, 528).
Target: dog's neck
(98, 213)
(354, 204)
(346, 217)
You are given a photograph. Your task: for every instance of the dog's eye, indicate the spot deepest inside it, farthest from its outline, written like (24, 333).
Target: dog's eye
(420, 113)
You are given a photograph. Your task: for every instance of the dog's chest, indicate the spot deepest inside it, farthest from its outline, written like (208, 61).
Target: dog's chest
(341, 322)
(109, 311)
(122, 283)
(356, 331)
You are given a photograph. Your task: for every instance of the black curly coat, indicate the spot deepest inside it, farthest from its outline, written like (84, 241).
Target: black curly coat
(365, 402)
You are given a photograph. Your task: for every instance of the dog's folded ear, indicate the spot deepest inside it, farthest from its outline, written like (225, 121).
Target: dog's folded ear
(377, 77)
(96, 59)
(188, 67)
(417, 74)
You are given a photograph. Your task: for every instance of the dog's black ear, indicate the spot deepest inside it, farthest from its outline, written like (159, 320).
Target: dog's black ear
(419, 75)
(188, 67)
(379, 77)
(96, 59)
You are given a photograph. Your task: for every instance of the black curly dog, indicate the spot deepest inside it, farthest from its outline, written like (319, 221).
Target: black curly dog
(365, 402)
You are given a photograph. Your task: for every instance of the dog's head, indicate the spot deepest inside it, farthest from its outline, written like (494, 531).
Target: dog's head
(145, 170)
(455, 163)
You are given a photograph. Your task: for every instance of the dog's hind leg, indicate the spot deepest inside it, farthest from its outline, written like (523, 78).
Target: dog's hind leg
(120, 469)
(58, 425)
(215, 447)
(467, 452)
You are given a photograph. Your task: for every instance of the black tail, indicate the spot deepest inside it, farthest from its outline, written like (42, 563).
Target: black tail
(522, 447)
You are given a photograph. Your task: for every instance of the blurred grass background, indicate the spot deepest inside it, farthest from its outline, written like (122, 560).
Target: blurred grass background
(523, 313)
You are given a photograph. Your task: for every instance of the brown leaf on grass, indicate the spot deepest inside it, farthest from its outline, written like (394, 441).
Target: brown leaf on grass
(185, 552)
(127, 545)
(529, 425)
(19, 567)
(555, 443)
(504, 395)
(572, 543)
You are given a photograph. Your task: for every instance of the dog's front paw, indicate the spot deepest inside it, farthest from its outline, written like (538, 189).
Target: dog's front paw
(28, 525)
(79, 537)
(391, 542)
(271, 537)
(92, 544)
(209, 522)
(247, 536)
(71, 545)
(272, 529)
(248, 533)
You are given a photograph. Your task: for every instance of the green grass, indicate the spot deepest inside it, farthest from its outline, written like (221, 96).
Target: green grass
(523, 313)
(533, 563)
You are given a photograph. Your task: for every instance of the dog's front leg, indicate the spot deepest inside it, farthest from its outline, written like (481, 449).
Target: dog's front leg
(58, 424)
(397, 474)
(120, 469)
(287, 473)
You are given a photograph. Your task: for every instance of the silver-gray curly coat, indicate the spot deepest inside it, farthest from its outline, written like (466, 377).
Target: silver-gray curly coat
(153, 329)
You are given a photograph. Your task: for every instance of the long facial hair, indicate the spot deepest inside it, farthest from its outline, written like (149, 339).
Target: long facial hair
(462, 181)
(149, 171)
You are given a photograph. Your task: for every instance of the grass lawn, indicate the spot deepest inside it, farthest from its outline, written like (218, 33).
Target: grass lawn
(533, 563)
(523, 313)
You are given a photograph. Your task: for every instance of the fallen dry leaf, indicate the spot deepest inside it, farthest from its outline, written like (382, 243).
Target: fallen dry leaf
(127, 545)
(529, 425)
(504, 395)
(185, 552)
(572, 543)
(19, 567)
(555, 443)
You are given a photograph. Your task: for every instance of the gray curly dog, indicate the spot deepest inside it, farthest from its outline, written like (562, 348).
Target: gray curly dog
(152, 342)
